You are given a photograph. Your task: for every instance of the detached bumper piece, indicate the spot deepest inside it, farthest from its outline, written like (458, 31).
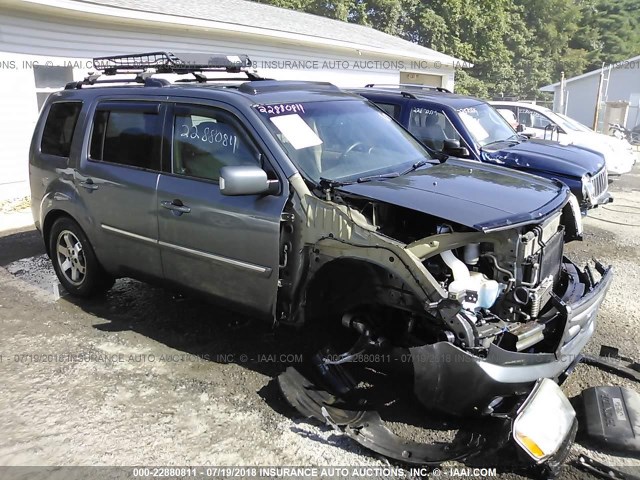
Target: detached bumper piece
(611, 361)
(528, 443)
(367, 428)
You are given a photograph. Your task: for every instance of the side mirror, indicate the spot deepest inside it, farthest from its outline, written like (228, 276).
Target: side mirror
(520, 128)
(453, 148)
(246, 180)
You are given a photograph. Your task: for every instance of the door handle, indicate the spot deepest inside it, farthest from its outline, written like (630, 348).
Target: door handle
(175, 206)
(88, 184)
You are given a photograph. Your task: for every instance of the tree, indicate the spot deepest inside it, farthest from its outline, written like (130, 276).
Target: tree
(516, 46)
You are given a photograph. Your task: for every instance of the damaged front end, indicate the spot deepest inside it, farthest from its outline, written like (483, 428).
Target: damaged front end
(481, 322)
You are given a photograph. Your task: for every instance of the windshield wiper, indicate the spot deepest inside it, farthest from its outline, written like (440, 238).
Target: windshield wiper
(512, 138)
(378, 177)
(327, 183)
(415, 166)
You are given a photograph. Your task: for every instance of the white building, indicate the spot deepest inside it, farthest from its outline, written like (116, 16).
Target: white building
(46, 43)
(619, 87)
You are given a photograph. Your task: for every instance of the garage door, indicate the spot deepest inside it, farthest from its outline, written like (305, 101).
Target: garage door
(421, 79)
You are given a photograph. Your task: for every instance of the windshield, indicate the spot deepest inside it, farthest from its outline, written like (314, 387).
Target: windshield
(341, 140)
(574, 124)
(485, 124)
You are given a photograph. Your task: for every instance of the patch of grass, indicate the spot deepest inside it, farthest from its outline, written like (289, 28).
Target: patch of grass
(15, 205)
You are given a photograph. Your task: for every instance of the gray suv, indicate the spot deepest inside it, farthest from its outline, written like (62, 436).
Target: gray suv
(298, 202)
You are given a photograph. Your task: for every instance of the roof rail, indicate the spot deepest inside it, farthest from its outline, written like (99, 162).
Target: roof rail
(265, 86)
(144, 65)
(407, 85)
(142, 78)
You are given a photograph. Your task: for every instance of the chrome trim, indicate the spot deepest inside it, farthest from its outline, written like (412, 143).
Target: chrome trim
(217, 258)
(191, 251)
(600, 184)
(128, 234)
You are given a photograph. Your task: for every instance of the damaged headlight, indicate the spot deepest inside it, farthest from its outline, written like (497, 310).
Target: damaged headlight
(577, 215)
(544, 422)
(588, 190)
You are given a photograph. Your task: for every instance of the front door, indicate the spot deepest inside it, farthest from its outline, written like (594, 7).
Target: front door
(224, 246)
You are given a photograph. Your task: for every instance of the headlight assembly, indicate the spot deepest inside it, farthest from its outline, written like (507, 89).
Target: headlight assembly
(588, 189)
(577, 214)
(544, 422)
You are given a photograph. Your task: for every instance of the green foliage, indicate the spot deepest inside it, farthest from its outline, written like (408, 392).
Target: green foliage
(516, 46)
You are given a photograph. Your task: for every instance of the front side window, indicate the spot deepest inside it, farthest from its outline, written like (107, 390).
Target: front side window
(485, 124)
(127, 135)
(341, 140)
(432, 127)
(205, 140)
(58, 129)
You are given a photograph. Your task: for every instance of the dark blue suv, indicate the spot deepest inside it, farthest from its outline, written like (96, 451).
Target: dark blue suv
(467, 127)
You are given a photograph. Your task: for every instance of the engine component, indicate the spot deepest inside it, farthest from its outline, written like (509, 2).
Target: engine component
(472, 254)
(524, 336)
(473, 289)
(541, 295)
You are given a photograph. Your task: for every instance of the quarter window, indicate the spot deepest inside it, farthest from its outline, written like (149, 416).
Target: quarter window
(205, 140)
(50, 79)
(59, 127)
(390, 109)
(127, 135)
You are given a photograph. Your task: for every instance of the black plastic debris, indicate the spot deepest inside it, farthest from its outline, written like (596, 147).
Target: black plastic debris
(611, 361)
(610, 418)
(367, 428)
(601, 470)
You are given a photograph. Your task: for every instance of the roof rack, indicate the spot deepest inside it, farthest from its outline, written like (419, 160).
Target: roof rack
(407, 85)
(144, 65)
(167, 62)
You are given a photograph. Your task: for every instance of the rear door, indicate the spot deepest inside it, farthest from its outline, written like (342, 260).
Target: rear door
(116, 180)
(224, 246)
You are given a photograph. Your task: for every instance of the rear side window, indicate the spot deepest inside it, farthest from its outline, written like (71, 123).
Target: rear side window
(59, 127)
(127, 134)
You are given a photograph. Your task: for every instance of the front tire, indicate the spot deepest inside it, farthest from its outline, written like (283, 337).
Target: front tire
(74, 260)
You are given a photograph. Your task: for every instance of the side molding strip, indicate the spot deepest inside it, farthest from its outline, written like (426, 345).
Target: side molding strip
(209, 256)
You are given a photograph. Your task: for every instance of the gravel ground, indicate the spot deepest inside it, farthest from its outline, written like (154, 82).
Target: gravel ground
(140, 377)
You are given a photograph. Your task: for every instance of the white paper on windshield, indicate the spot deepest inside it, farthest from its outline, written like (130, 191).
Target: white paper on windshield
(296, 131)
(477, 130)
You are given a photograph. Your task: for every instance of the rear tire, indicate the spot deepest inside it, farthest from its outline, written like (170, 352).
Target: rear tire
(74, 260)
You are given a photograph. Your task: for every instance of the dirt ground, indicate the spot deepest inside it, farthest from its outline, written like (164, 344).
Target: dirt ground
(141, 377)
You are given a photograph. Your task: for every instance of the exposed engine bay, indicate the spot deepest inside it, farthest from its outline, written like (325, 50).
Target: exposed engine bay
(481, 288)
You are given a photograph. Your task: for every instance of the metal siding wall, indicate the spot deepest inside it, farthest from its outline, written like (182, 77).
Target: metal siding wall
(625, 85)
(582, 99)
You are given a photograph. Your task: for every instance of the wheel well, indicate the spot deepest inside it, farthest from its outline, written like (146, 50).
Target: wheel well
(49, 220)
(342, 283)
